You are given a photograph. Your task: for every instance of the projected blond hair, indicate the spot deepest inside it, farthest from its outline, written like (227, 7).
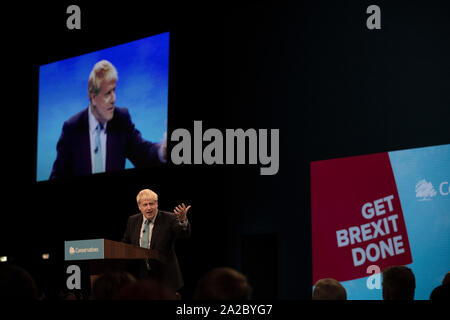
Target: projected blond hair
(102, 71)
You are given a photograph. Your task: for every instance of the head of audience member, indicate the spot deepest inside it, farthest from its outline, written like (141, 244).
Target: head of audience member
(110, 283)
(398, 283)
(223, 283)
(69, 296)
(441, 293)
(146, 289)
(446, 278)
(16, 283)
(329, 289)
(147, 201)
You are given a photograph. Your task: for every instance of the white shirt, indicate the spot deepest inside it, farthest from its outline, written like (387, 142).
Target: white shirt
(93, 123)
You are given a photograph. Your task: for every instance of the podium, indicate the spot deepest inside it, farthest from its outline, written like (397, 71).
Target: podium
(106, 255)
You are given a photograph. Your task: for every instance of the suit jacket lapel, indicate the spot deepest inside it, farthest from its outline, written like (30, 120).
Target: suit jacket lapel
(115, 159)
(137, 228)
(110, 156)
(85, 147)
(155, 231)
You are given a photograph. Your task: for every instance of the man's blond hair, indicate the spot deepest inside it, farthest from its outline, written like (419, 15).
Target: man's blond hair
(102, 71)
(146, 194)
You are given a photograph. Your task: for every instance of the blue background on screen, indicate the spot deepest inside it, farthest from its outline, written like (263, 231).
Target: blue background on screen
(427, 222)
(143, 70)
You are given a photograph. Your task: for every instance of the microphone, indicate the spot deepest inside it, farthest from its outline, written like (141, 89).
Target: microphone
(96, 150)
(143, 231)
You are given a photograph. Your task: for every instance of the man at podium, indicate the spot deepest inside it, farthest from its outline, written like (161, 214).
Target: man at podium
(156, 229)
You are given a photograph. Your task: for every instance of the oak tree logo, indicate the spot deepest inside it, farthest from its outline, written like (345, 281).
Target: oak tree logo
(425, 190)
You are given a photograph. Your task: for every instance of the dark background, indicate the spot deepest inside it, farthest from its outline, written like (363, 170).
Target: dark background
(309, 68)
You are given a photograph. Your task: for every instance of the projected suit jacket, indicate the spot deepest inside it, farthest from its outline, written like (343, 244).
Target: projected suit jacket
(123, 141)
(166, 230)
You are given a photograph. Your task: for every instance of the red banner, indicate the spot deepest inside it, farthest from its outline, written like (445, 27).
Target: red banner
(357, 219)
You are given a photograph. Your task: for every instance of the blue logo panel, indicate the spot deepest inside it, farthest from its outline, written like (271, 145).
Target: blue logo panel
(83, 249)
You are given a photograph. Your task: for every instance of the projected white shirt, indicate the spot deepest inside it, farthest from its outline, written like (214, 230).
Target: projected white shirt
(93, 123)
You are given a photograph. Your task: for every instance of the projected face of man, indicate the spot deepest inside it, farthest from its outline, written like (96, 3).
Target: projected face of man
(148, 206)
(103, 102)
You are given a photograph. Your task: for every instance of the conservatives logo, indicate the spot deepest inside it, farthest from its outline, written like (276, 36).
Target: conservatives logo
(73, 250)
(425, 190)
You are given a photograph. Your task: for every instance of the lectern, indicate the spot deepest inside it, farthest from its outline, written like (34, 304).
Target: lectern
(106, 255)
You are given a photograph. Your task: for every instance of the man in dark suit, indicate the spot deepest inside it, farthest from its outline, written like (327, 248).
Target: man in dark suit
(102, 136)
(156, 229)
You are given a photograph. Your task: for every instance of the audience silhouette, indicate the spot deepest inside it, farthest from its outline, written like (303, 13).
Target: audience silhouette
(16, 283)
(442, 292)
(223, 283)
(329, 289)
(399, 283)
(145, 289)
(109, 284)
(219, 284)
